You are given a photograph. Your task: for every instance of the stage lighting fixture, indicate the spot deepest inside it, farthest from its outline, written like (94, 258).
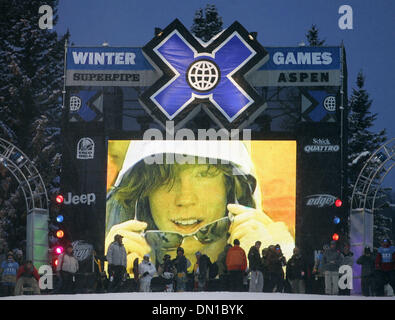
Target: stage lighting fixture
(60, 234)
(59, 199)
(59, 250)
(336, 220)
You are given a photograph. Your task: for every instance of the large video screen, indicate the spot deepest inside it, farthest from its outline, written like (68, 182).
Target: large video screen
(200, 195)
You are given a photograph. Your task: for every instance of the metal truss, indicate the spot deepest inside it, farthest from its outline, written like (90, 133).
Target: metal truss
(371, 176)
(26, 174)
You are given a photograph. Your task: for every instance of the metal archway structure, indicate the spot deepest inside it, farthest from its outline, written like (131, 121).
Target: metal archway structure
(35, 194)
(363, 201)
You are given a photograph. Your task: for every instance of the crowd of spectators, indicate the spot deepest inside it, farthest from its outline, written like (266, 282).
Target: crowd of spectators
(260, 270)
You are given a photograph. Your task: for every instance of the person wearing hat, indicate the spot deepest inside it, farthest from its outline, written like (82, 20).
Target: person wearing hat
(367, 275)
(9, 269)
(331, 261)
(275, 261)
(255, 266)
(385, 266)
(201, 271)
(67, 268)
(146, 272)
(182, 264)
(167, 273)
(116, 258)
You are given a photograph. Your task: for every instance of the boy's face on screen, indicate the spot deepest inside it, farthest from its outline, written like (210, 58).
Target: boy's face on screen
(196, 197)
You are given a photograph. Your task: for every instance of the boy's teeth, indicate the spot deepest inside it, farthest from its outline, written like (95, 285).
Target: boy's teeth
(186, 222)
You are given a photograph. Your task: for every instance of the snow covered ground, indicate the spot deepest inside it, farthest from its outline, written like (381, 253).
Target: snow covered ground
(193, 296)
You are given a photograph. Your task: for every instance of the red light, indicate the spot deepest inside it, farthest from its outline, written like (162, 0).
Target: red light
(59, 199)
(60, 234)
(338, 203)
(59, 250)
(335, 237)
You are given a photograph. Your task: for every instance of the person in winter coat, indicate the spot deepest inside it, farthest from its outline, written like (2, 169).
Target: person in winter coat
(348, 259)
(67, 268)
(296, 272)
(201, 272)
(275, 261)
(331, 262)
(367, 273)
(255, 265)
(9, 269)
(18, 255)
(27, 275)
(146, 272)
(266, 280)
(197, 204)
(116, 258)
(136, 274)
(223, 274)
(385, 267)
(167, 271)
(236, 264)
(318, 271)
(182, 264)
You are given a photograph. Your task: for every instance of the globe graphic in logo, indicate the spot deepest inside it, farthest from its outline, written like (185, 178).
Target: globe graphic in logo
(203, 75)
(330, 103)
(75, 103)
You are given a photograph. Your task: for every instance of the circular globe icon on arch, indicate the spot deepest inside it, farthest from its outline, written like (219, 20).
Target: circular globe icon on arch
(203, 75)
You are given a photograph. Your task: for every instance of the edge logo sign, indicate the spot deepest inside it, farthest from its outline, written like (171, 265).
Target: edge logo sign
(320, 200)
(212, 73)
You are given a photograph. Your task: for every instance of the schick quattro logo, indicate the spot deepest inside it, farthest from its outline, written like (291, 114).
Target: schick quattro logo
(211, 73)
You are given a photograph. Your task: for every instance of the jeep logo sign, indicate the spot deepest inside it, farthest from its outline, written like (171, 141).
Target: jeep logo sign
(320, 200)
(87, 199)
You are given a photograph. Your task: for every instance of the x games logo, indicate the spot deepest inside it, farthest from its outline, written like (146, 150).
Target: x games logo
(211, 73)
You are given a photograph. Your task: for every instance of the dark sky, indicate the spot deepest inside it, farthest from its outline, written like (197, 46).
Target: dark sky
(370, 46)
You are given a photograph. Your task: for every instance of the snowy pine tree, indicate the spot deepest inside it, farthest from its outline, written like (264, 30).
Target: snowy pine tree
(382, 224)
(362, 141)
(382, 229)
(312, 37)
(208, 25)
(31, 65)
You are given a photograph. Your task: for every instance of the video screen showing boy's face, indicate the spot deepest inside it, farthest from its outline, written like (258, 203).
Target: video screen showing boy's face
(183, 195)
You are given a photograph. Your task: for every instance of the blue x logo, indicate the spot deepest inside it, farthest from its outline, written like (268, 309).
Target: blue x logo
(194, 72)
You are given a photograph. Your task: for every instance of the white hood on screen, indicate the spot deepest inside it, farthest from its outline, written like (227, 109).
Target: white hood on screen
(232, 151)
